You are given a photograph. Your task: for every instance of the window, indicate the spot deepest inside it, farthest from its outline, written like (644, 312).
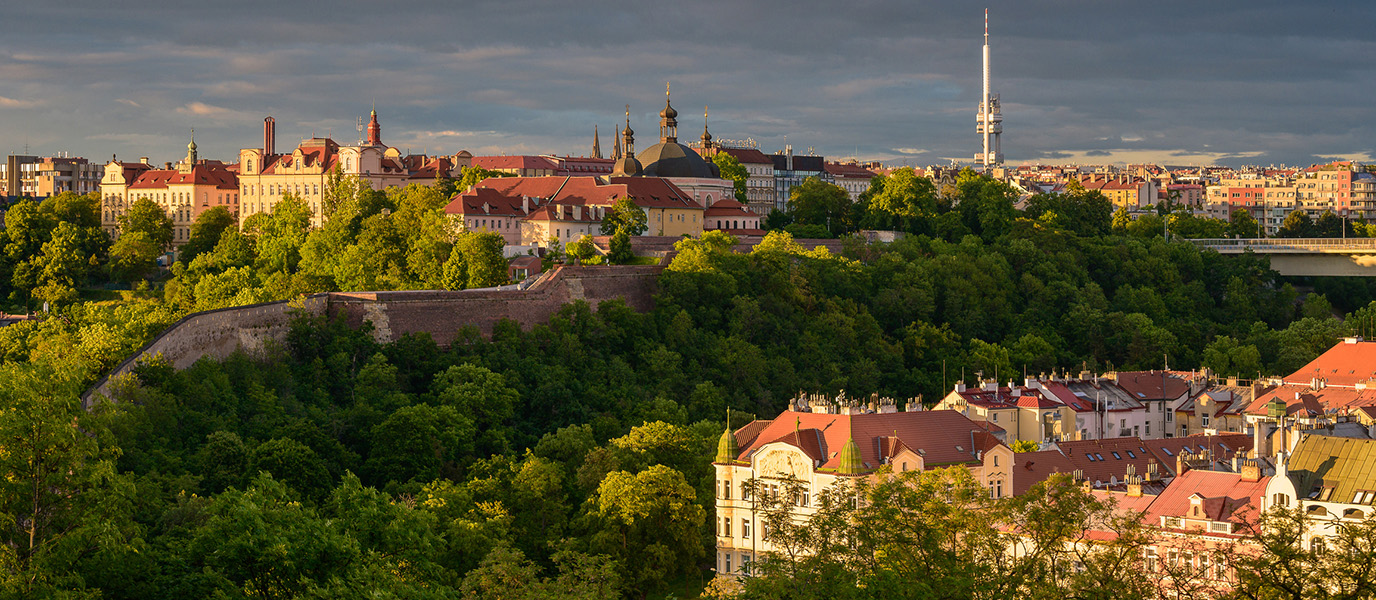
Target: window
(1123, 423)
(1090, 457)
(1316, 545)
(996, 460)
(1098, 456)
(1130, 455)
(1115, 455)
(1148, 426)
(727, 521)
(1205, 420)
(728, 562)
(726, 490)
(1219, 528)
(745, 528)
(1169, 414)
(1326, 493)
(1150, 559)
(745, 491)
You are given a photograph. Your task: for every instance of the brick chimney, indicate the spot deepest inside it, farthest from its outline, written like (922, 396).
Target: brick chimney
(1250, 471)
(1134, 486)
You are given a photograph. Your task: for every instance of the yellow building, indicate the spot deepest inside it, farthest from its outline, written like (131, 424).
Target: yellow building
(819, 442)
(1025, 413)
(184, 190)
(265, 176)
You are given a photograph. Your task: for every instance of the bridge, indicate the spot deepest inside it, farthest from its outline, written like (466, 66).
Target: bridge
(1306, 257)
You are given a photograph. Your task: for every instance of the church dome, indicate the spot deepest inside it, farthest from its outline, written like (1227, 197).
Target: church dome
(672, 159)
(627, 166)
(668, 112)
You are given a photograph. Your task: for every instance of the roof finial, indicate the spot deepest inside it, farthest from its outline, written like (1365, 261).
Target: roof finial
(666, 89)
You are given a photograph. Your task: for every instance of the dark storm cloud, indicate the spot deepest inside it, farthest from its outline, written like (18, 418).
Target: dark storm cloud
(1189, 82)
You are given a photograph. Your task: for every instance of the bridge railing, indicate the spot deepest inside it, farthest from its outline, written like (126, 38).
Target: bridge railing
(1262, 245)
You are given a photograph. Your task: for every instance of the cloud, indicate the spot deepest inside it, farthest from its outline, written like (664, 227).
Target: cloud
(12, 103)
(1286, 82)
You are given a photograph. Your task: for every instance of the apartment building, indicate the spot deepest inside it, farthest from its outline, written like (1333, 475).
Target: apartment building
(40, 177)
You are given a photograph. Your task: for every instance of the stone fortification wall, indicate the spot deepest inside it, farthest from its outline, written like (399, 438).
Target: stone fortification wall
(442, 314)
(215, 333)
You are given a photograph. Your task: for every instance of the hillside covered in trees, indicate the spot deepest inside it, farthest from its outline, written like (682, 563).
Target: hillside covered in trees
(571, 459)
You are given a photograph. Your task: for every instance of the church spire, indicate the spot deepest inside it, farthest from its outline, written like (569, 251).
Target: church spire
(616, 144)
(668, 120)
(596, 143)
(706, 137)
(374, 129)
(629, 134)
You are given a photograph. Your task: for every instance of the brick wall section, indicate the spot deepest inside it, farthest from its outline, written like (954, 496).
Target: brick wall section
(443, 314)
(219, 333)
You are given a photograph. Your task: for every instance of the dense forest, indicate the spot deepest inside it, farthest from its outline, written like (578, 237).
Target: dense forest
(571, 459)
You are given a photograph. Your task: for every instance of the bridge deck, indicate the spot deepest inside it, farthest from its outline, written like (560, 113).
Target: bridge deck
(1291, 245)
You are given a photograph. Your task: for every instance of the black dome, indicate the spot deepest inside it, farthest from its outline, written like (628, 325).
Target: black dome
(668, 159)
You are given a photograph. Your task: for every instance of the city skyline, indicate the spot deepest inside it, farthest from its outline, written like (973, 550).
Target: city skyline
(1226, 83)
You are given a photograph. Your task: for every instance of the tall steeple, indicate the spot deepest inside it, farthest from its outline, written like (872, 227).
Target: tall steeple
(374, 129)
(668, 120)
(627, 165)
(191, 155)
(706, 137)
(628, 134)
(989, 118)
(596, 143)
(616, 144)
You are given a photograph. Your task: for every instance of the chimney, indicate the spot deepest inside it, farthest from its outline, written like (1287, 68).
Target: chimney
(1134, 486)
(1181, 464)
(167, 165)
(143, 159)
(269, 137)
(960, 386)
(1251, 471)
(525, 204)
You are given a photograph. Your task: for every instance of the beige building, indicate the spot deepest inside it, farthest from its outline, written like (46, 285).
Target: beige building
(265, 176)
(40, 177)
(184, 190)
(531, 210)
(1332, 479)
(820, 442)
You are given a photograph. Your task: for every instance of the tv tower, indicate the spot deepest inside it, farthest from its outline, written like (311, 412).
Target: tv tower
(989, 119)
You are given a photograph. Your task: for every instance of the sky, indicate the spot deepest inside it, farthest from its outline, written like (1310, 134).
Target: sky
(1179, 83)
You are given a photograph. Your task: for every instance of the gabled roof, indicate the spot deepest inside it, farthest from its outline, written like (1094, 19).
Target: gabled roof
(941, 437)
(1148, 385)
(728, 207)
(485, 201)
(1223, 497)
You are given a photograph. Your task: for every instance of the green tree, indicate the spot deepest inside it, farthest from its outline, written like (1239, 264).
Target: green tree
(816, 202)
(144, 232)
(419, 443)
(63, 265)
(482, 396)
(732, 169)
(1026, 446)
(340, 189)
(620, 251)
(626, 216)
(581, 249)
(206, 232)
(652, 524)
(1297, 224)
(1242, 224)
(474, 175)
(482, 260)
(61, 499)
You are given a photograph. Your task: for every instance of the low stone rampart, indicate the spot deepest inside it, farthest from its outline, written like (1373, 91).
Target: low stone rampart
(442, 314)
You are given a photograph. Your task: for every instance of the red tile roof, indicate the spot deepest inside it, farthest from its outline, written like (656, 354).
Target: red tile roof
(219, 177)
(941, 437)
(647, 192)
(494, 163)
(748, 155)
(1147, 385)
(1345, 364)
(1030, 468)
(1225, 497)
